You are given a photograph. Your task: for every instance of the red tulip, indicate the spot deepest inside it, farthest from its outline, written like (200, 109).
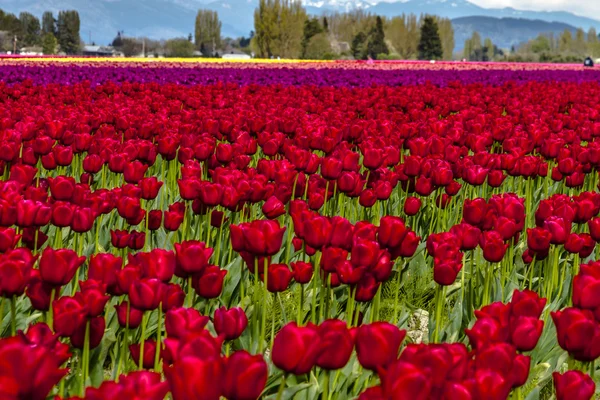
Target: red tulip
(377, 344)
(209, 283)
(57, 267)
(573, 385)
(135, 315)
(146, 294)
(295, 349)
(192, 257)
(578, 333)
(303, 271)
(245, 376)
(338, 343)
(180, 322)
(230, 323)
(412, 205)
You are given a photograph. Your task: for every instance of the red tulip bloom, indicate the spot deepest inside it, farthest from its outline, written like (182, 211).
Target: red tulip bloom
(573, 385)
(136, 240)
(119, 238)
(103, 267)
(578, 333)
(273, 208)
(493, 246)
(135, 315)
(133, 172)
(15, 275)
(295, 349)
(69, 315)
(538, 240)
(593, 225)
(377, 344)
(338, 343)
(209, 283)
(230, 323)
(279, 277)
(57, 267)
(196, 378)
(391, 231)
(245, 376)
(146, 294)
(8, 239)
(260, 237)
(150, 187)
(62, 188)
(412, 205)
(303, 271)
(28, 371)
(180, 322)
(474, 211)
(192, 257)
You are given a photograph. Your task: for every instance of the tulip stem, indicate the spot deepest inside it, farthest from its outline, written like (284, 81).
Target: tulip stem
(438, 312)
(142, 340)
(13, 315)
(300, 305)
(326, 385)
(157, 367)
(281, 386)
(2, 312)
(49, 316)
(350, 306)
(85, 357)
(263, 325)
(190, 301)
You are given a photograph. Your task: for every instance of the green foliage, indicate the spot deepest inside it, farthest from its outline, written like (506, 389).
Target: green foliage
(48, 23)
(430, 44)
(207, 32)
(279, 28)
(68, 31)
(31, 29)
(358, 47)
(312, 27)
(10, 24)
(376, 41)
(180, 47)
(49, 44)
(131, 47)
(318, 47)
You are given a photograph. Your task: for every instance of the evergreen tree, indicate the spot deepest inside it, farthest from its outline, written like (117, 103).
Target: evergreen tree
(430, 45)
(376, 43)
(358, 45)
(49, 44)
(311, 28)
(68, 31)
(31, 29)
(48, 23)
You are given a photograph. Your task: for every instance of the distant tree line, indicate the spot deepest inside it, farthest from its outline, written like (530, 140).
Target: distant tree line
(283, 29)
(26, 30)
(568, 46)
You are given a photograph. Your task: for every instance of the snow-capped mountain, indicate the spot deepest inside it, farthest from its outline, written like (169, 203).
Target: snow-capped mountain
(101, 19)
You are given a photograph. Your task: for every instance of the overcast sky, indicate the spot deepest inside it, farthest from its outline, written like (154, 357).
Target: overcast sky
(587, 8)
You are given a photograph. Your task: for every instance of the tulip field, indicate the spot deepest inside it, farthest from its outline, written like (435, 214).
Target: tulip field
(314, 230)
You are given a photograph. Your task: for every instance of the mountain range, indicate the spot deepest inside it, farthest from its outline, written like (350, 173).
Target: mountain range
(159, 19)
